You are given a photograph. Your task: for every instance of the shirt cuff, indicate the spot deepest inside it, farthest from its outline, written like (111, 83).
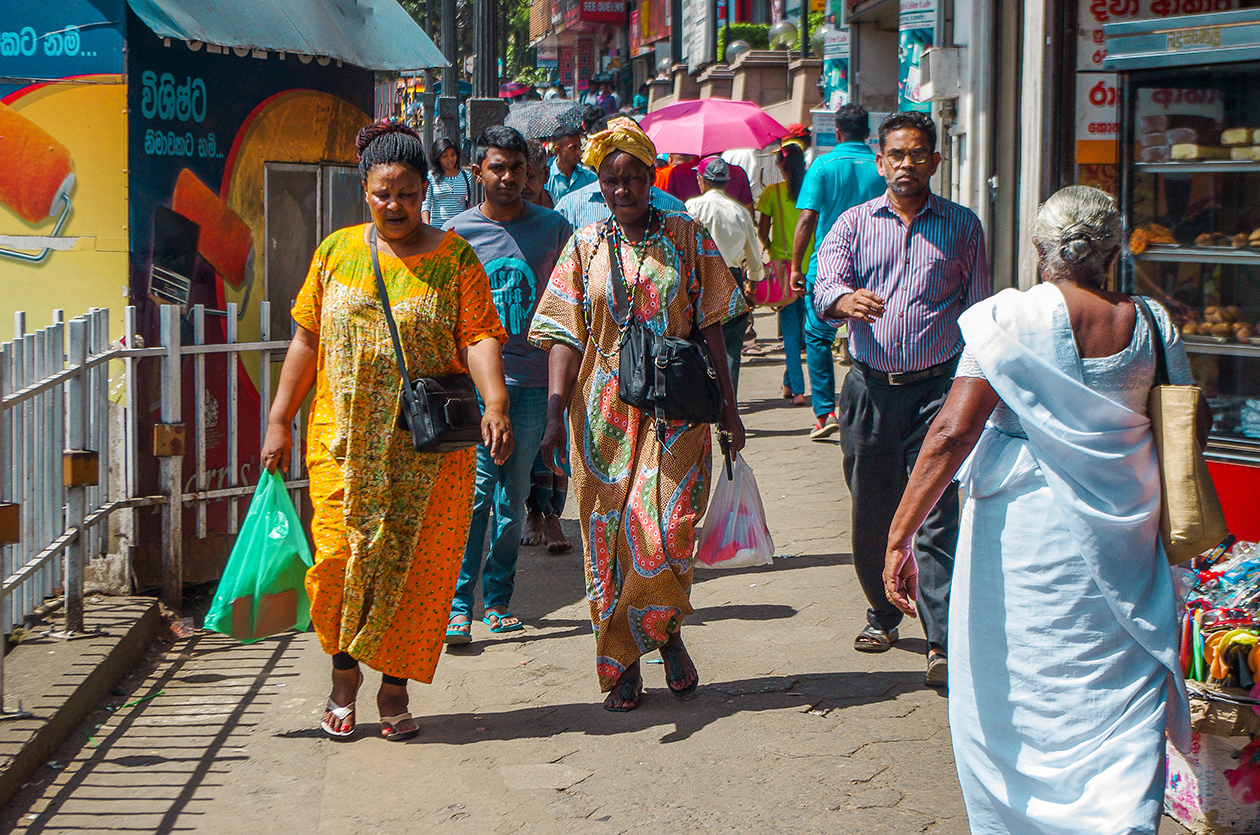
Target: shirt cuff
(825, 297)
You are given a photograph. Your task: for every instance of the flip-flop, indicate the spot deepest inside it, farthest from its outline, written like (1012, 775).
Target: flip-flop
(388, 723)
(874, 639)
(631, 690)
(515, 627)
(753, 350)
(455, 636)
(341, 712)
(676, 671)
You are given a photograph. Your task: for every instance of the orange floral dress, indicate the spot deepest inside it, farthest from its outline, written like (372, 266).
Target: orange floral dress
(389, 523)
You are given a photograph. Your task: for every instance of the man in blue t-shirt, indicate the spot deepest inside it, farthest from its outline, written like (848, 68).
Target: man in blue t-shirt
(834, 184)
(518, 244)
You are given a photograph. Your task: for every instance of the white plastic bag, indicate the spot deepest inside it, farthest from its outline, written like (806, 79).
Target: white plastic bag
(734, 534)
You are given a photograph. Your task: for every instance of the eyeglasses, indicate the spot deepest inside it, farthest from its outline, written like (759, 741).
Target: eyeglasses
(897, 156)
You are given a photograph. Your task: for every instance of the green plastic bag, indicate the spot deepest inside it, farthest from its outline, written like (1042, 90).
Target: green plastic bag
(263, 589)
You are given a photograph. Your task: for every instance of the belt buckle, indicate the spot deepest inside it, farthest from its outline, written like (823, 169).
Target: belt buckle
(899, 378)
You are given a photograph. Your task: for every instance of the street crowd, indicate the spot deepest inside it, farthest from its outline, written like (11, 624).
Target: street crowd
(1044, 596)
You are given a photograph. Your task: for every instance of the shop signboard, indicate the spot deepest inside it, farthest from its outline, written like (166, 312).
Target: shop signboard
(548, 56)
(698, 46)
(585, 58)
(1091, 45)
(835, 68)
(917, 25)
(1097, 128)
(602, 11)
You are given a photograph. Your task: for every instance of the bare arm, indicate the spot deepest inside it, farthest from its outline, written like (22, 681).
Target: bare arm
(805, 226)
(563, 364)
(714, 341)
(949, 441)
(484, 360)
(296, 378)
(763, 231)
(425, 216)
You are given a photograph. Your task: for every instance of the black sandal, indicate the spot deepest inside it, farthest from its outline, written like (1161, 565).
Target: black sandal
(874, 639)
(630, 690)
(675, 670)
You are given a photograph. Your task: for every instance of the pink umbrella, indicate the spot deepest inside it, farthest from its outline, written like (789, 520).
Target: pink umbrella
(710, 126)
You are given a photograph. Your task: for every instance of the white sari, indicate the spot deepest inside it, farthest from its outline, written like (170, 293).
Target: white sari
(1063, 669)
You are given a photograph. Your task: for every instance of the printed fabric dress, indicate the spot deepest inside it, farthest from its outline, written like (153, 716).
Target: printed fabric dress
(638, 503)
(389, 523)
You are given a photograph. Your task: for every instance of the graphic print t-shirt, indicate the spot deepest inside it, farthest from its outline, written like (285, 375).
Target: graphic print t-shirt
(518, 257)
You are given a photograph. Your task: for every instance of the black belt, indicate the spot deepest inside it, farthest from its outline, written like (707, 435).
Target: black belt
(905, 378)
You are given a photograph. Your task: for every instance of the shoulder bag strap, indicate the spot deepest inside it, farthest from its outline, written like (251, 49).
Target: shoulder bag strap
(389, 318)
(621, 305)
(1157, 341)
(467, 191)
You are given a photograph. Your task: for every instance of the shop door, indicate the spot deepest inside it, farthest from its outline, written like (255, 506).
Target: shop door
(304, 205)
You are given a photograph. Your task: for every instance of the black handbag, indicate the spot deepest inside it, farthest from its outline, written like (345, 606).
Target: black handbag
(665, 376)
(442, 413)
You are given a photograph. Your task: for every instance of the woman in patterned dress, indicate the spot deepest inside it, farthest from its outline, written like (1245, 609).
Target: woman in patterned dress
(389, 523)
(639, 498)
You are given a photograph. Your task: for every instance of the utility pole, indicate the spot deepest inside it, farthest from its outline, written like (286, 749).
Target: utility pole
(486, 108)
(448, 103)
(428, 102)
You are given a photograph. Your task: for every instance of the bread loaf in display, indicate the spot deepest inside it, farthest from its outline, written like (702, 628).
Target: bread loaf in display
(1198, 152)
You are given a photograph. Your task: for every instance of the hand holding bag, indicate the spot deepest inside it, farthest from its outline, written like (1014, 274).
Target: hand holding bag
(442, 413)
(1190, 519)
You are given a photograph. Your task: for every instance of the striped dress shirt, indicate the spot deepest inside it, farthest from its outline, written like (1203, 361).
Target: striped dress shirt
(927, 275)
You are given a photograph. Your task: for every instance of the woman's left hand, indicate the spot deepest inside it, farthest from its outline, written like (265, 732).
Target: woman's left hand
(732, 423)
(901, 578)
(496, 434)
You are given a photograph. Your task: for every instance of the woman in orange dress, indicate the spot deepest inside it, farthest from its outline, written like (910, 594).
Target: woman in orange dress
(389, 523)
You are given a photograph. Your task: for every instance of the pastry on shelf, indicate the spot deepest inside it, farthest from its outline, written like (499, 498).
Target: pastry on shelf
(1193, 136)
(1237, 136)
(1213, 239)
(1239, 241)
(1198, 152)
(1147, 234)
(1156, 153)
(1169, 121)
(1254, 238)
(1151, 140)
(1245, 153)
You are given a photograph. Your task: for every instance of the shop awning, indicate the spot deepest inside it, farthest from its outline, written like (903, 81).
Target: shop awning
(373, 34)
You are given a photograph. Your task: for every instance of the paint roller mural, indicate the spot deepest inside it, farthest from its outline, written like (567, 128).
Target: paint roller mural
(37, 177)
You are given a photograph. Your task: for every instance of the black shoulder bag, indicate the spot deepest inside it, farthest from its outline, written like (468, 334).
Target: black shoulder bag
(667, 377)
(442, 413)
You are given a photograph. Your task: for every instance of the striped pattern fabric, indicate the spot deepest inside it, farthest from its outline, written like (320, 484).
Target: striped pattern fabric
(927, 275)
(446, 197)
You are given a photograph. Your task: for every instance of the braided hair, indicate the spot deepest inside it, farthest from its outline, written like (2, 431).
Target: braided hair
(386, 143)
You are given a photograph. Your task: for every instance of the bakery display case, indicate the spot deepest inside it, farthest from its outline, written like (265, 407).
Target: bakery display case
(1190, 190)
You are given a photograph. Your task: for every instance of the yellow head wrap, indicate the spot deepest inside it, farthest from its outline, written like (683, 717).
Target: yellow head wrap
(623, 134)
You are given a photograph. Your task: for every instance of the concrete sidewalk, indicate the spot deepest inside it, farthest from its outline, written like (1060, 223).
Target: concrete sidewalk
(792, 730)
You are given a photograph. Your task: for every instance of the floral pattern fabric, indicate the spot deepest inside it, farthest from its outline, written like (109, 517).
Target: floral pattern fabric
(389, 523)
(638, 501)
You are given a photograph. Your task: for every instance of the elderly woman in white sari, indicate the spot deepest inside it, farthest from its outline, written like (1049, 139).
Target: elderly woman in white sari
(1063, 677)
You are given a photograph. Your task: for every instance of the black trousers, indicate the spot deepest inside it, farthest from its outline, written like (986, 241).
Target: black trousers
(733, 335)
(882, 428)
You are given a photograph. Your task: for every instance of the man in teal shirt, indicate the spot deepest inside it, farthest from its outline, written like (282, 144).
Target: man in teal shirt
(835, 183)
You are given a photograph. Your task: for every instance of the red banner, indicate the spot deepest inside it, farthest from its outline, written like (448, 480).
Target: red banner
(602, 11)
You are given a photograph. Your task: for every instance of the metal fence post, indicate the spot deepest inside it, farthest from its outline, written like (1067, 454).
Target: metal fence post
(76, 494)
(168, 446)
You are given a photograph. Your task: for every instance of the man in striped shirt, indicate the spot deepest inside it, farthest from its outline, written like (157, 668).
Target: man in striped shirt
(900, 269)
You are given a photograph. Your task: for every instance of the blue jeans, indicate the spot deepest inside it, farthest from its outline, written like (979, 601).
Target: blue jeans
(822, 370)
(792, 326)
(503, 489)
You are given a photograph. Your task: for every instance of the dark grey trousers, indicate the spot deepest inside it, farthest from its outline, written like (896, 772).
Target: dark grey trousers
(882, 428)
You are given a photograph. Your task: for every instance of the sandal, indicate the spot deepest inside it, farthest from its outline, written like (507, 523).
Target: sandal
(458, 633)
(497, 627)
(874, 639)
(753, 350)
(340, 713)
(676, 669)
(389, 725)
(630, 691)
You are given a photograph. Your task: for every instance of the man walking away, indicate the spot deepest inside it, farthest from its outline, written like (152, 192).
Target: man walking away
(900, 269)
(834, 184)
(731, 227)
(566, 173)
(518, 244)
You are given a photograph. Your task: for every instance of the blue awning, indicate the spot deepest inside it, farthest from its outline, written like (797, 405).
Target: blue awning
(373, 34)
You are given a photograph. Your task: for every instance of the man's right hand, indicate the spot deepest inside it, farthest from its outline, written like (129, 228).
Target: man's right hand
(798, 283)
(862, 305)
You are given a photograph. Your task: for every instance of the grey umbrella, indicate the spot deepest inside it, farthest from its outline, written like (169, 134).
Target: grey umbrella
(544, 119)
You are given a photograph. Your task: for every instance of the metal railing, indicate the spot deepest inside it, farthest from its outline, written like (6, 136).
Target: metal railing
(57, 490)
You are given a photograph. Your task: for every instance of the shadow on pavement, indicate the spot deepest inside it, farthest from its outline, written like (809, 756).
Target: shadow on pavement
(713, 702)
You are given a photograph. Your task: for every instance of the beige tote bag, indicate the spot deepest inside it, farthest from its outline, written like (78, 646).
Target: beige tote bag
(1190, 519)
